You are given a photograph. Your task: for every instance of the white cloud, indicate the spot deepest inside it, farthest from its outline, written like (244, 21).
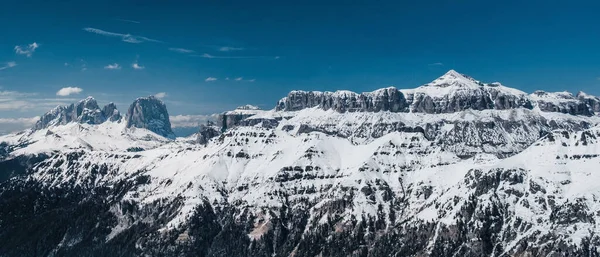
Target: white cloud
(136, 66)
(210, 56)
(66, 91)
(12, 105)
(124, 37)
(13, 100)
(436, 64)
(22, 101)
(186, 121)
(229, 48)
(27, 49)
(130, 21)
(209, 79)
(244, 80)
(114, 66)
(161, 95)
(83, 65)
(9, 125)
(181, 50)
(8, 65)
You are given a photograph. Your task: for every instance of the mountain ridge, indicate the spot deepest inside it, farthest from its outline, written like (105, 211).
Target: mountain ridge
(314, 180)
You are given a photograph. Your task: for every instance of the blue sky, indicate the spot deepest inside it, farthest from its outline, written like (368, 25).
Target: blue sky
(275, 47)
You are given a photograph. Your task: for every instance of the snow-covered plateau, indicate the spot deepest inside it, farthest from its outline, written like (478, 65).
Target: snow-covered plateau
(455, 167)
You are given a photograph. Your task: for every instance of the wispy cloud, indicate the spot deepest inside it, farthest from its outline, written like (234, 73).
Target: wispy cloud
(436, 64)
(8, 65)
(27, 49)
(161, 95)
(14, 100)
(181, 50)
(114, 66)
(83, 65)
(187, 121)
(9, 125)
(124, 37)
(66, 91)
(229, 48)
(24, 101)
(130, 21)
(246, 80)
(209, 79)
(136, 66)
(209, 56)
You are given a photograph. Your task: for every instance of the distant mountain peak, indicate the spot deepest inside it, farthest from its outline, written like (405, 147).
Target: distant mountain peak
(453, 78)
(248, 107)
(149, 113)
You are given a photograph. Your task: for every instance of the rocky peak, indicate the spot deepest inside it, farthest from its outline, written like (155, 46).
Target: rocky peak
(149, 113)
(88, 111)
(111, 113)
(453, 78)
(85, 111)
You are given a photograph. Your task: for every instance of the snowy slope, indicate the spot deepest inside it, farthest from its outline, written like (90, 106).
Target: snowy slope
(475, 182)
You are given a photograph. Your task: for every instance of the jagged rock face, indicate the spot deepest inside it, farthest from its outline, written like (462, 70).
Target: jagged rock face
(85, 111)
(231, 119)
(506, 100)
(149, 113)
(388, 99)
(206, 132)
(88, 112)
(453, 92)
(592, 101)
(111, 113)
(563, 102)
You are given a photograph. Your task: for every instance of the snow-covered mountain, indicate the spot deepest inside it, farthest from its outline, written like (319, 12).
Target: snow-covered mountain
(455, 167)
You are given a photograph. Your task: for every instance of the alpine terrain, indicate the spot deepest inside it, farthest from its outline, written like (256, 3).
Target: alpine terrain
(455, 167)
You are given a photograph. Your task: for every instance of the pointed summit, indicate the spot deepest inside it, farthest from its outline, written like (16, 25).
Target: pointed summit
(85, 111)
(453, 78)
(452, 73)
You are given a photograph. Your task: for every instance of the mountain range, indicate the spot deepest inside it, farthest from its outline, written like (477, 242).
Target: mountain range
(455, 167)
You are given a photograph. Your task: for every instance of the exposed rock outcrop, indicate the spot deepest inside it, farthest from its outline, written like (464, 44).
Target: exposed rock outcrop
(85, 111)
(111, 113)
(149, 113)
(206, 132)
(232, 118)
(450, 93)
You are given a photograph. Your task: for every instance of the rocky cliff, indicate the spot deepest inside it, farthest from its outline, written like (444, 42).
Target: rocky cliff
(85, 111)
(450, 93)
(149, 113)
